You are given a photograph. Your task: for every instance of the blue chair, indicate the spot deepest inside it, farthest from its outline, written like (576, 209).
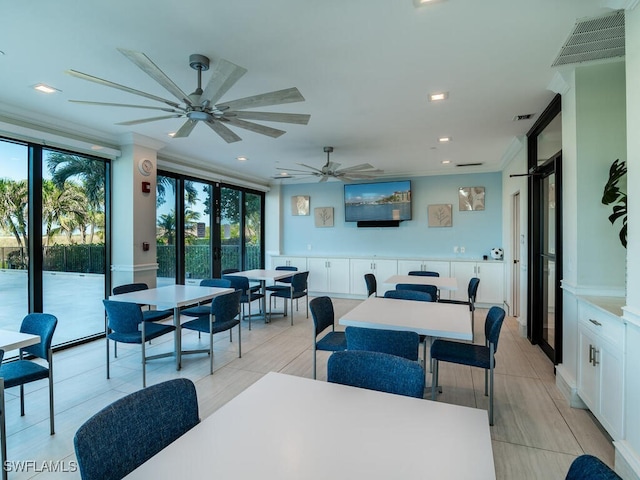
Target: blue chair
(202, 308)
(297, 290)
(424, 273)
(376, 371)
(149, 315)
(472, 290)
(23, 371)
(372, 284)
(125, 324)
(588, 467)
(127, 433)
(323, 318)
(430, 289)
(409, 295)
(285, 283)
(221, 315)
(394, 342)
(247, 294)
(481, 356)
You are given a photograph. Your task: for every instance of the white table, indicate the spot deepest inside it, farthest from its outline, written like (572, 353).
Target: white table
(263, 276)
(10, 340)
(175, 297)
(432, 319)
(319, 430)
(442, 283)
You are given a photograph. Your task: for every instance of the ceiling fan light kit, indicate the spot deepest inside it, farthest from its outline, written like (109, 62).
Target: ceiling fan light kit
(201, 106)
(363, 171)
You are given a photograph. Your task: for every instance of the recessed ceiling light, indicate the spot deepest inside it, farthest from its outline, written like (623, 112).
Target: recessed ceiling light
(446, 162)
(284, 174)
(172, 134)
(435, 97)
(444, 139)
(41, 87)
(241, 159)
(422, 3)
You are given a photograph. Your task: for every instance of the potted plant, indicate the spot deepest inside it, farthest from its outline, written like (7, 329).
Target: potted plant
(614, 195)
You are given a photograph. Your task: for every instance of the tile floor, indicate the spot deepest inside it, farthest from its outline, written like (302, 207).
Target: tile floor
(536, 435)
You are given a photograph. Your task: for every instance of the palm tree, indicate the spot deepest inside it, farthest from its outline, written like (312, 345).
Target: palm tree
(14, 202)
(162, 183)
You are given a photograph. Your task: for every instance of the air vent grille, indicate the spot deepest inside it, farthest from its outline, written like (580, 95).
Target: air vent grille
(526, 116)
(476, 164)
(594, 39)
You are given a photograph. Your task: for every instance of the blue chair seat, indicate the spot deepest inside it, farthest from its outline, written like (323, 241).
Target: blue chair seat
(21, 372)
(156, 315)
(464, 354)
(152, 330)
(202, 324)
(199, 311)
(332, 342)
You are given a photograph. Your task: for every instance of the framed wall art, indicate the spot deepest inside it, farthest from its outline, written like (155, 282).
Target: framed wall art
(323, 216)
(471, 198)
(440, 215)
(300, 205)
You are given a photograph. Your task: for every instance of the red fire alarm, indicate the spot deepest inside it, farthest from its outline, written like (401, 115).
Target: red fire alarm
(146, 187)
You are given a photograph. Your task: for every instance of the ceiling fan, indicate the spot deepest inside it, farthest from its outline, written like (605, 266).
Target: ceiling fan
(331, 169)
(200, 106)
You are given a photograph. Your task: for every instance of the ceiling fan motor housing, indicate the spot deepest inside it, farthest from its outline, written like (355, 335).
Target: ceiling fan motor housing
(199, 62)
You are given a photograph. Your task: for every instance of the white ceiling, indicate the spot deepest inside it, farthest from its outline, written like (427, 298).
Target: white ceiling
(365, 68)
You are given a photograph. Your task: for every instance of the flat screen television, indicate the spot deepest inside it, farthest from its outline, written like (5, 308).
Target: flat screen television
(377, 202)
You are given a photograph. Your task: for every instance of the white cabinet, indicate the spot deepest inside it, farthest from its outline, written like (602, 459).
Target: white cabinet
(491, 275)
(328, 275)
(287, 261)
(601, 367)
(382, 269)
(406, 266)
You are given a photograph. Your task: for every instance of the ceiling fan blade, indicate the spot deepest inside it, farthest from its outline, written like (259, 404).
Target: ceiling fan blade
(311, 168)
(186, 128)
(294, 170)
(333, 166)
(221, 129)
(254, 127)
(298, 118)
(145, 120)
(147, 66)
(288, 95)
(106, 104)
(107, 83)
(362, 166)
(324, 179)
(225, 74)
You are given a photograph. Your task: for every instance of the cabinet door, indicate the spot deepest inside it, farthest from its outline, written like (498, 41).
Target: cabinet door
(384, 269)
(359, 268)
(442, 268)
(338, 275)
(299, 262)
(588, 374)
(491, 288)
(405, 266)
(317, 275)
(463, 272)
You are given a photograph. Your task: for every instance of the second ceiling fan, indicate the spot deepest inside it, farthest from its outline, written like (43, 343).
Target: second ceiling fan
(363, 171)
(201, 106)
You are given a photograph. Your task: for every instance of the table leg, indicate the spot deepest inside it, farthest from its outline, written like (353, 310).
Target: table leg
(178, 338)
(3, 431)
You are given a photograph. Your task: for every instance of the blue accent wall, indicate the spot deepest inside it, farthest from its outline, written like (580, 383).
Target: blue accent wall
(477, 231)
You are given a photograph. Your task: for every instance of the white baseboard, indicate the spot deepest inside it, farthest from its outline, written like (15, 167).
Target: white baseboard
(566, 383)
(627, 462)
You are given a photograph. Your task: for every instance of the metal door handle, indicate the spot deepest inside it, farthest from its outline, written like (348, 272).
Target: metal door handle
(595, 322)
(595, 356)
(591, 353)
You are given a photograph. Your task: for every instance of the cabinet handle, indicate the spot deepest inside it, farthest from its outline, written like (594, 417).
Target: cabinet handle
(595, 356)
(595, 322)
(591, 353)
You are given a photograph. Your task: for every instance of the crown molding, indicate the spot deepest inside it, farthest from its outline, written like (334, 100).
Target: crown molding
(620, 4)
(560, 83)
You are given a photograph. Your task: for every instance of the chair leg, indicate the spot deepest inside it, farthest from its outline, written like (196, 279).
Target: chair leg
(292, 311)
(3, 432)
(249, 303)
(51, 417)
(107, 339)
(22, 400)
(491, 397)
(239, 342)
(115, 349)
(211, 318)
(144, 363)
(307, 306)
(434, 380)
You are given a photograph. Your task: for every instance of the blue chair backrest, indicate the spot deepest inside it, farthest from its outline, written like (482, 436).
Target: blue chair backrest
(472, 289)
(123, 317)
(227, 271)
(299, 282)
(286, 268)
(372, 283)
(1, 355)
(588, 467)
(125, 434)
(322, 313)
(409, 295)
(239, 283)
(493, 324)
(216, 282)
(393, 342)
(226, 307)
(130, 287)
(430, 289)
(42, 324)
(423, 273)
(376, 371)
